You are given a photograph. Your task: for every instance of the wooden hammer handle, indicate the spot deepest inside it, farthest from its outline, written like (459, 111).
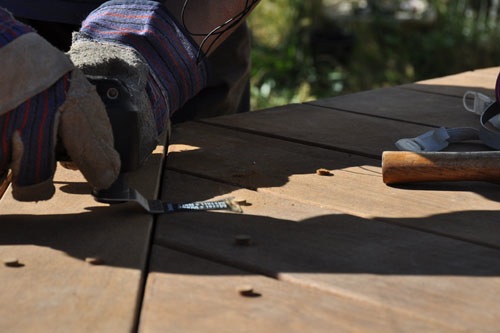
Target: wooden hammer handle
(408, 167)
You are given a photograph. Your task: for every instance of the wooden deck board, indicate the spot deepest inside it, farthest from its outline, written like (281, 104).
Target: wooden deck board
(367, 135)
(359, 134)
(405, 105)
(55, 289)
(288, 170)
(191, 294)
(328, 253)
(424, 275)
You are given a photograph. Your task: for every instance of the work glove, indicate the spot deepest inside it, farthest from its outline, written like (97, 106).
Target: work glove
(45, 99)
(141, 45)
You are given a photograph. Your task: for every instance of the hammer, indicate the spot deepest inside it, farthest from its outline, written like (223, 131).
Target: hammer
(409, 167)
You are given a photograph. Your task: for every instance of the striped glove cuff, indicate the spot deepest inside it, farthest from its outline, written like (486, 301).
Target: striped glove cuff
(148, 28)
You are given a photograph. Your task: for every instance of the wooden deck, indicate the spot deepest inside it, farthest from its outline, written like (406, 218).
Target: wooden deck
(338, 253)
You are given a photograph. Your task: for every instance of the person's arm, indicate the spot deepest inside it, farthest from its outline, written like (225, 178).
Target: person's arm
(210, 22)
(146, 45)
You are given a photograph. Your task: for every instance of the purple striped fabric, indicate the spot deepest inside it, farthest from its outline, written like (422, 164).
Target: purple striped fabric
(34, 121)
(147, 27)
(10, 28)
(62, 11)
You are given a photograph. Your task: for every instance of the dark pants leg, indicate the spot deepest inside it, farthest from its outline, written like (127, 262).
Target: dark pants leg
(228, 89)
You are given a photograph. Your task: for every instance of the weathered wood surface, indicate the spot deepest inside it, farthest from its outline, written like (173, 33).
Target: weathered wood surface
(288, 170)
(406, 105)
(54, 288)
(428, 252)
(338, 253)
(190, 294)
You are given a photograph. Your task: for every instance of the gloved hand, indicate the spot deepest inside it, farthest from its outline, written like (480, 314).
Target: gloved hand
(141, 44)
(44, 98)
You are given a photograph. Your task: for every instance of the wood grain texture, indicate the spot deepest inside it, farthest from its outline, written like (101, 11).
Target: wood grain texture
(370, 122)
(346, 131)
(54, 288)
(405, 105)
(409, 167)
(342, 252)
(465, 210)
(185, 293)
(423, 275)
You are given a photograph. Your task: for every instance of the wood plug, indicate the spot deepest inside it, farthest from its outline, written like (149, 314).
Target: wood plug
(242, 202)
(12, 262)
(247, 291)
(324, 172)
(94, 261)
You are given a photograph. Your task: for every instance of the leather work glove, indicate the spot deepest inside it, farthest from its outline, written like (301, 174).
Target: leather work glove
(44, 99)
(141, 45)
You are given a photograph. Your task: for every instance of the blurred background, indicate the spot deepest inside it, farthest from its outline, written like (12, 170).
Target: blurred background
(310, 49)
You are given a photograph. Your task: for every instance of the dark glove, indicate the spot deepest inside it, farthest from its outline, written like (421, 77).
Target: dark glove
(43, 98)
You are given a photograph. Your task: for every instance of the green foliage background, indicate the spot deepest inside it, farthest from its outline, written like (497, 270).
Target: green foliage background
(462, 35)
